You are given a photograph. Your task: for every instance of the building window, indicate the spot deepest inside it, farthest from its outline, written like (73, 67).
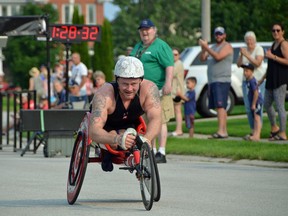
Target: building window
(4, 11)
(67, 12)
(91, 14)
(15, 10)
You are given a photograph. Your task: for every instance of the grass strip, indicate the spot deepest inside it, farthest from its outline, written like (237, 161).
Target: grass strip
(232, 149)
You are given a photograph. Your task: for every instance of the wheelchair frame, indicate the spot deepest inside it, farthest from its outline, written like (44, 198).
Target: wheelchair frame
(146, 171)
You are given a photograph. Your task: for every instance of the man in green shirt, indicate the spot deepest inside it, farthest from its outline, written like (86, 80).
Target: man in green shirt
(157, 58)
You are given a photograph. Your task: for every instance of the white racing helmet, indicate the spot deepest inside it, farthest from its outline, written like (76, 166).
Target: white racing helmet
(129, 67)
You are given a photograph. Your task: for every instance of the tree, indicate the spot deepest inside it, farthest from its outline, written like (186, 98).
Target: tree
(24, 52)
(81, 48)
(178, 22)
(239, 17)
(103, 52)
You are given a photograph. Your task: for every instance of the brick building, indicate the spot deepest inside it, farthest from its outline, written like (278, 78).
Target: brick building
(93, 10)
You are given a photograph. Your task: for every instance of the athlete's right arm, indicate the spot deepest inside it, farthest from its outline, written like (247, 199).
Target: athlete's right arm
(102, 100)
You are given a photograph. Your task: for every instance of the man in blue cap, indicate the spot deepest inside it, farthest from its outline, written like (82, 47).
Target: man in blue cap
(158, 61)
(219, 59)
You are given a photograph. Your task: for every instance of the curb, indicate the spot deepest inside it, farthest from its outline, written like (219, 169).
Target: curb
(259, 163)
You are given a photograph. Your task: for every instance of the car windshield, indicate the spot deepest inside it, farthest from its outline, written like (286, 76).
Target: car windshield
(185, 53)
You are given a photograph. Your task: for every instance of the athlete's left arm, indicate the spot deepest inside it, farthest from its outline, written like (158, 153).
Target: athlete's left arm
(152, 108)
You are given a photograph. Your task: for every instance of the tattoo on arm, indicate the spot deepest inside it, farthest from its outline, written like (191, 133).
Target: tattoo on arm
(98, 106)
(155, 96)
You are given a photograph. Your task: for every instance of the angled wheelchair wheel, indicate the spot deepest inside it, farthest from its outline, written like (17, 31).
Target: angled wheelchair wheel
(78, 165)
(157, 189)
(147, 176)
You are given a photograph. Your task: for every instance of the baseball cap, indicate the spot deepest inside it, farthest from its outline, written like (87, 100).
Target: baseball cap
(248, 65)
(219, 29)
(146, 23)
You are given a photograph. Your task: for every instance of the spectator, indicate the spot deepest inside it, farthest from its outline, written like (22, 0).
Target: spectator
(44, 79)
(36, 83)
(79, 74)
(219, 60)
(25, 102)
(99, 78)
(253, 54)
(255, 100)
(190, 104)
(60, 94)
(3, 85)
(58, 72)
(157, 59)
(276, 83)
(177, 88)
(75, 98)
(89, 85)
(44, 103)
(128, 50)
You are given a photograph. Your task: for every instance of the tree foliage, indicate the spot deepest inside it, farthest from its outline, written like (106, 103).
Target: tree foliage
(81, 48)
(24, 52)
(103, 52)
(178, 22)
(239, 17)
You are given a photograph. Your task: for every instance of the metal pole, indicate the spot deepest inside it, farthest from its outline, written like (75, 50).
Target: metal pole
(206, 20)
(67, 46)
(48, 59)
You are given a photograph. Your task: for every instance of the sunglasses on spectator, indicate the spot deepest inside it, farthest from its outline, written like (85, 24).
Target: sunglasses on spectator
(218, 34)
(276, 30)
(175, 54)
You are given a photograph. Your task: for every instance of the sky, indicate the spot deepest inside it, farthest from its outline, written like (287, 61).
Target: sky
(110, 10)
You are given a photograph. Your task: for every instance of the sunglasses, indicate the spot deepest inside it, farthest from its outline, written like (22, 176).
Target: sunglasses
(276, 30)
(218, 34)
(175, 54)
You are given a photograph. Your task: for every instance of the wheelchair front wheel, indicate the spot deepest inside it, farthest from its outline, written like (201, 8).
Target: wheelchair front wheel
(77, 169)
(147, 176)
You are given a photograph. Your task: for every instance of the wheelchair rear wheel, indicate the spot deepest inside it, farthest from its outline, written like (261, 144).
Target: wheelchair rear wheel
(78, 165)
(147, 176)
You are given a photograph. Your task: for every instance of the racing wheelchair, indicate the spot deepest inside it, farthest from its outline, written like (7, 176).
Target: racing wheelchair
(144, 166)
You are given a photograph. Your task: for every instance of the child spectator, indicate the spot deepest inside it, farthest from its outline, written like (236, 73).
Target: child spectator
(190, 104)
(44, 103)
(255, 100)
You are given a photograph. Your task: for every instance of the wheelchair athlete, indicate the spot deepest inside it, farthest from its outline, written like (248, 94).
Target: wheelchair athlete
(117, 106)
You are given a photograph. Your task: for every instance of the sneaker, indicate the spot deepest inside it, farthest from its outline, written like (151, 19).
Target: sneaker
(160, 158)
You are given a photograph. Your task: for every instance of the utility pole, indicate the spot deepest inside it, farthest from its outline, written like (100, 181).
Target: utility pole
(206, 20)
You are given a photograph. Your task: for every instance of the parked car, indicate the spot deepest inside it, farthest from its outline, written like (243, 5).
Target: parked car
(194, 67)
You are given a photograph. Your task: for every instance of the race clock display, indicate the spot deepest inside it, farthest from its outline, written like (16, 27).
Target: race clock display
(75, 33)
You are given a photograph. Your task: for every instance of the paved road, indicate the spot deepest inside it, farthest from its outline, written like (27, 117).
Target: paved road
(34, 185)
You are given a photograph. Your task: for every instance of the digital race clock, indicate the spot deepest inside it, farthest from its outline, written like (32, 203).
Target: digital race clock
(75, 33)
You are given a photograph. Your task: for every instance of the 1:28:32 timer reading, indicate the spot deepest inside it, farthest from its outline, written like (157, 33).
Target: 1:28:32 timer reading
(74, 32)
